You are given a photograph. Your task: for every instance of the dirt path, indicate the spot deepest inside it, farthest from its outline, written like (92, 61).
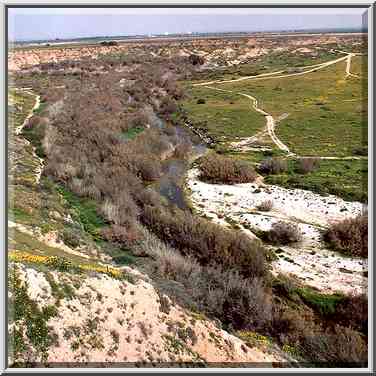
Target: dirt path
(272, 75)
(19, 129)
(270, 121)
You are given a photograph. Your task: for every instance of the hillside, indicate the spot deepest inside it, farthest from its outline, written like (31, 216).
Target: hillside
(189, 203)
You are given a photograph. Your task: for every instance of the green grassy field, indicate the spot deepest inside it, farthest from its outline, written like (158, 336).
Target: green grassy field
(271, 62)
(346, 179)
(327, 114)
(359, 66)
(226, 116)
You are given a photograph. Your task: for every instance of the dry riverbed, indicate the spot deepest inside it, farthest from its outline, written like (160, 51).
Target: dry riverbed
(309, 260)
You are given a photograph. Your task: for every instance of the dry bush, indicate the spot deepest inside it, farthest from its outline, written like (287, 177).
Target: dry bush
(353, 312)
(307, 165)
(147, 168)
(148, 196)
(341, 347)
(225, 294)
(120, 234)
(55, 109)
(121, 210)
(349, 236)
(273, 166)
(242, 303)
(283, 233)
(36, 121)
(266, 205)
(168, 106)
(209, 243)
(183, 149)
(49, 139)
(216, 168)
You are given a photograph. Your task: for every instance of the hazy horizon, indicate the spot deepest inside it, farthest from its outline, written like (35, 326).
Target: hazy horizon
(28, 24)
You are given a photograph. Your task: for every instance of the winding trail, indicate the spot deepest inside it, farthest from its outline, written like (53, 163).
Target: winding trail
(270, 121)
(266, 76)
(18, 131)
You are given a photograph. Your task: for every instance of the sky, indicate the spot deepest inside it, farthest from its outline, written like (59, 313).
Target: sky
(64, 23)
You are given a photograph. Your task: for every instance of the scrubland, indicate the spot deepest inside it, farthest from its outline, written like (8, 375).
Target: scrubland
(108, 270)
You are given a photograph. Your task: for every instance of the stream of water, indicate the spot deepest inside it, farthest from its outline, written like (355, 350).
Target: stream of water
(171, 184)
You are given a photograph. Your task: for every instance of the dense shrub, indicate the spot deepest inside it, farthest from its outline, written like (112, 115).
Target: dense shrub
(273, 166)
(120, 234)
(349, 236)
(341, 347)
(148, 169)
(183, 149)
(168, 106)
(283, 233)
(209, 243)
(222, 293)
(306, 165)
(216, 168)
(34, 131)
(352, 312)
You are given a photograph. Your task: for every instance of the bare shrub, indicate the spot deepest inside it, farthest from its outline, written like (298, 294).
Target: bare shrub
(168, 106)
(352, 312)
(273, 166)
(207, 242)
(340, 347)
(349, 236)
(121, 210)
(109, 210)
(50, 136)
(216, 168)
(307, 165)
(148, 196)
(183, 149)
(55, 109)
(222, 293)
(243, 303)
(120, 234)
(149, 169)
(283, 233)
(266, 205)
